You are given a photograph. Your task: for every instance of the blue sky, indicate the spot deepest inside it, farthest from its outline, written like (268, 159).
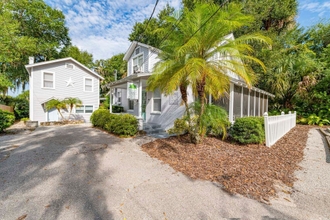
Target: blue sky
(102, 27)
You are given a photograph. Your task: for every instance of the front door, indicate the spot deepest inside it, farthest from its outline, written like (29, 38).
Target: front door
(144, 104)
(52, 114)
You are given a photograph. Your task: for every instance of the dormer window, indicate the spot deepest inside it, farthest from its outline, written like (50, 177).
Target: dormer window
(69, 66)
(138, 64)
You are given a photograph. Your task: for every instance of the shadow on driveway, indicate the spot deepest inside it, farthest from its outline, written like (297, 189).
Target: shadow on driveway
(55, 172)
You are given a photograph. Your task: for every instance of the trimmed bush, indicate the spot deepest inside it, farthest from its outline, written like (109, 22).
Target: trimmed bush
(248, 130)
(6, 119)
(123, 125)
(100, 117)
(117, 109)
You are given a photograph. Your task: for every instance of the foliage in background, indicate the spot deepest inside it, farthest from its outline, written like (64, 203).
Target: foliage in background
(81, 56)
(107, 69)
(117, 109)
(156, 30)
(248, 130)
(6, 119)
(29, 28)
(21, 108)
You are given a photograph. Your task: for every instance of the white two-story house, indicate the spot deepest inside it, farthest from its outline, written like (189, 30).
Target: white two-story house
(59, 79)
(156, 108)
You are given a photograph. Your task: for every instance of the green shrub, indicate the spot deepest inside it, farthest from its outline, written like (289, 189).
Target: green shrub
(181, 126)
(25, 119)
(100, 117)
(248, 130)
(6, 119)
(117, 109)
(112, 122)
(21, 108)
(125, 125)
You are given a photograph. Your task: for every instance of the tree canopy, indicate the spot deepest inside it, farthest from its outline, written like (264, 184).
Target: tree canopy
(29, 28)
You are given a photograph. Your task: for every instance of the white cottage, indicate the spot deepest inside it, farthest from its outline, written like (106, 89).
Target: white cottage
(160, 110)
(59, 79)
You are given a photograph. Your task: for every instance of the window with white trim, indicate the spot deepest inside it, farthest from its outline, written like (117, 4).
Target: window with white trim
(48, 80)
(138, 64)
(130, 104)
(157, 101)
(84, 109)
(88, 84)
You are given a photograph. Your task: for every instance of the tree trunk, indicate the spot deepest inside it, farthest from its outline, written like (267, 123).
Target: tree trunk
(184, 97)
(201, 95)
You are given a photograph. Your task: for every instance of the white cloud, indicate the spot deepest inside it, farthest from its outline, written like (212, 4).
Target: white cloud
(102, 27)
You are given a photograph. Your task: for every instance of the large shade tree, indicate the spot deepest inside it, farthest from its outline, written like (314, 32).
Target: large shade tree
(29, 28)
(188, 57)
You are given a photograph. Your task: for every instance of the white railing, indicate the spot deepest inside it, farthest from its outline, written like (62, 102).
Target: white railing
(277, 126)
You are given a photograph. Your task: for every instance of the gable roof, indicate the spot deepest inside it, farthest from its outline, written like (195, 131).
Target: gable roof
(29, 66)
(132, 47)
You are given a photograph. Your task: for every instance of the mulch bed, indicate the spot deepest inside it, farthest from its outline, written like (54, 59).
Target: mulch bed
(250, 170)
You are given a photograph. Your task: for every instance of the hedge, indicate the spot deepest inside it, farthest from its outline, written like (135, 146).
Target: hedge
(248, 130)
(6, 119)
(124, 125)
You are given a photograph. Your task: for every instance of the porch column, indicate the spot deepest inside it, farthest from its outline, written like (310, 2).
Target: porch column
(140, 99)
(140, 119)
(231, 102)
(110, 101)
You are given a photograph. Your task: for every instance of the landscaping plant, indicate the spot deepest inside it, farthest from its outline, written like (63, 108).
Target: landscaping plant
(6, 119)
(100, 117)
(248, 130)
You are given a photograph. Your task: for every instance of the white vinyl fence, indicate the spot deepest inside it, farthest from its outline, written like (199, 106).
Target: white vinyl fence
(277, 126)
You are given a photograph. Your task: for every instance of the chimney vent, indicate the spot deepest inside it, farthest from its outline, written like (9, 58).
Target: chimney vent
(31, 60)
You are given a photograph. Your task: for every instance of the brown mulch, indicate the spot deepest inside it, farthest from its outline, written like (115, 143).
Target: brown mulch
(250, 170)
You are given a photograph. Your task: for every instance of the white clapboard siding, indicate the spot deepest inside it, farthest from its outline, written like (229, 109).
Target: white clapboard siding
(277, 126)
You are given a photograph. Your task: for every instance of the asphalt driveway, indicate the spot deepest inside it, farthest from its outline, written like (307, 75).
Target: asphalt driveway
(78, 172)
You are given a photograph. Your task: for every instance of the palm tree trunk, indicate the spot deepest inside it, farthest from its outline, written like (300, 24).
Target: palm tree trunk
(59, 111)
(201, 96)
(184, 97)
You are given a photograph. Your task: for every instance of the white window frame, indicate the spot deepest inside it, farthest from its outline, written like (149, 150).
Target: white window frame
(42, 80)
(152, 103)
(141, 68)
(66, 66)
(85, 84)
(84, 108)
(130, 109)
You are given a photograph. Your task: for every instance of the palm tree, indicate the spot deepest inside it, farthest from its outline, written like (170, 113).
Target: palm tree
(187, 58)
(56, 103)
(72, 102)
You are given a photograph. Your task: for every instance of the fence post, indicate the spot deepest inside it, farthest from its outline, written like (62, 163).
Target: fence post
(282, 113)
(266, 129)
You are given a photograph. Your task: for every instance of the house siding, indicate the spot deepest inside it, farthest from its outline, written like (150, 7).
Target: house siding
(61, 91)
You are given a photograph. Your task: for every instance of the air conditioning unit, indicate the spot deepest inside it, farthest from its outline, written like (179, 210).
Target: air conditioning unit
(136, 69)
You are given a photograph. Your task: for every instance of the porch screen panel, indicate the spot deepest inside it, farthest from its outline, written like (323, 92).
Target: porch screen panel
(237, 101)
(252, 94)
(222, 102)
(265, 103)
(257, 104)
(261, 104)
(245, 102)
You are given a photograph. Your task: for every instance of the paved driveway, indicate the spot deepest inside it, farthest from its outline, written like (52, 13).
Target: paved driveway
(78, 172)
